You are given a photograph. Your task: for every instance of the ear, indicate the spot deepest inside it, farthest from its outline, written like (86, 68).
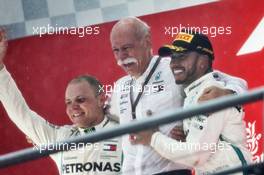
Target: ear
(101, 99)
(147, 41)
(203, 63)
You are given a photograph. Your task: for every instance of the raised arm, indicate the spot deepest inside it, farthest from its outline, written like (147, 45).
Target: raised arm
(3, 47)
(29, 122)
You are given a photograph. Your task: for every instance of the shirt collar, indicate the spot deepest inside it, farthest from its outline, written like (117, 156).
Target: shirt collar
(198, 82)
(96, 127)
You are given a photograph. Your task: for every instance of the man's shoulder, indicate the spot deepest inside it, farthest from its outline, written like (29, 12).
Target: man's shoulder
(124, 80)
(113, 119)
(163, 72)
(165, 60)
(208, 80)
(164, 65)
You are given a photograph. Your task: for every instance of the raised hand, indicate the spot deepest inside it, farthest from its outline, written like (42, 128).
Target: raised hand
(3, 46)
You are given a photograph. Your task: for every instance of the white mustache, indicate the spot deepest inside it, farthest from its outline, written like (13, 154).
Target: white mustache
(127, 61)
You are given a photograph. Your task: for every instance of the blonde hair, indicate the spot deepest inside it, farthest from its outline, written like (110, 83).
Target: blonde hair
(96, 84)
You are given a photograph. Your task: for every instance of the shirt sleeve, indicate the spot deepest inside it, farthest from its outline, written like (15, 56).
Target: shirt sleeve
(29, 122)
(233, 83)
(202, 137)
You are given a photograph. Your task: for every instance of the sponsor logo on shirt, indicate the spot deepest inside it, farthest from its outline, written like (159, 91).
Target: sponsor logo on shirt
(91, 167)
(157, 76)
(109, 147)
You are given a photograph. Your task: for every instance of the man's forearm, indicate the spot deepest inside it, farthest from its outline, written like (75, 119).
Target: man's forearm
(19, 112)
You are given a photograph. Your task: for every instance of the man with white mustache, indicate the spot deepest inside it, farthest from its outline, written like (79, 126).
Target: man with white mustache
(127, 61)
(131, 44)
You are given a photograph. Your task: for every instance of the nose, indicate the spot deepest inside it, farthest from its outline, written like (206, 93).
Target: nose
(173, 63)
(122, 54)
(74, 105)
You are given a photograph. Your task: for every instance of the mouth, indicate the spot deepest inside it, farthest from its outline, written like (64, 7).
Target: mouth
(177, 71)
(78, 115)
(128, 65)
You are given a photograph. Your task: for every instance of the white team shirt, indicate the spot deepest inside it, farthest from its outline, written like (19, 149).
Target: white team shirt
(203, 149)
(161, 94)
(101, 158)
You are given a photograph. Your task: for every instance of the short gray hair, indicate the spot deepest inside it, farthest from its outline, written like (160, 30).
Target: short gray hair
(141, 28)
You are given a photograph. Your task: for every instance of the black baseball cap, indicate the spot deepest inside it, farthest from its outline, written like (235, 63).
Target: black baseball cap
(186, 42)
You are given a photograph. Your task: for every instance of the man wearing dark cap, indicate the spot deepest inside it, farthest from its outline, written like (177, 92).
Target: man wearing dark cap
(132, 47)
(214, 141)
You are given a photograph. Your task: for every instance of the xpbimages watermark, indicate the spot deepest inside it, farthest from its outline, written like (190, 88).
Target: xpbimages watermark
(212, 31)
(125, 88)
(198, 147)
(66, 146)
(61, 30)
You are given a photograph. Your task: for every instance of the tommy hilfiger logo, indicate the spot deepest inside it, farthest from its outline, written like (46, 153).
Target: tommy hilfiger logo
(110, 147)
